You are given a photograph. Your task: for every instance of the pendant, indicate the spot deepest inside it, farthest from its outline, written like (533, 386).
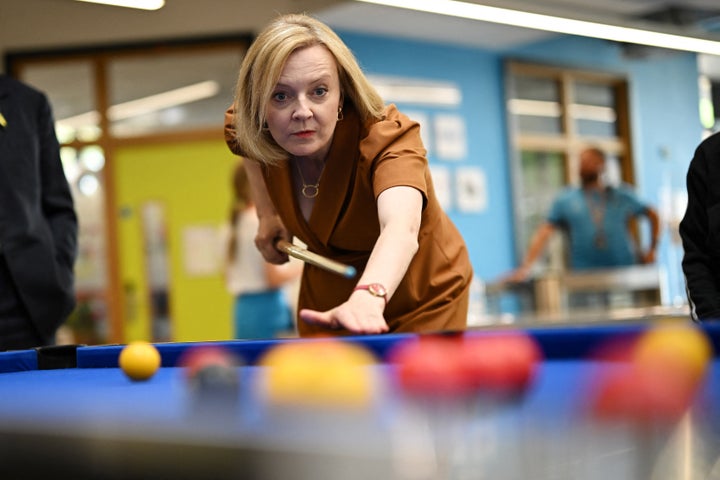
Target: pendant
(310, 191)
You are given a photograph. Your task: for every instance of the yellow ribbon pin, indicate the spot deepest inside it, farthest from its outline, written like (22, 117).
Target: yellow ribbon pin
(3, 122)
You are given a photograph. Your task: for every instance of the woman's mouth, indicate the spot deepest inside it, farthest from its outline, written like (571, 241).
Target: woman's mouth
(304, 134)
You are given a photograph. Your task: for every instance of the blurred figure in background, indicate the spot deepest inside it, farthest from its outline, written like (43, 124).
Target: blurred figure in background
(700, 231)
(262, 308)
(597, 219)
(38, 224)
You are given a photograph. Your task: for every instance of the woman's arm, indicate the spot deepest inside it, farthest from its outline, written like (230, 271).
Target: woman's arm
(399, 213)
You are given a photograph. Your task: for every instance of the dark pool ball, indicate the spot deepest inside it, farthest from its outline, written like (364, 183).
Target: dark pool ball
(212, 378)
(216, 381)
(200, 356)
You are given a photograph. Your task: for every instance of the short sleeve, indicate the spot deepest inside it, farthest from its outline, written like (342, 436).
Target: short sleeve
(555, 216)
(397, 155)
(637, 207)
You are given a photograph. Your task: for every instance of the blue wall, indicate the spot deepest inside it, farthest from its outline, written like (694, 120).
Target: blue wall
(665, 123)
(479, 75)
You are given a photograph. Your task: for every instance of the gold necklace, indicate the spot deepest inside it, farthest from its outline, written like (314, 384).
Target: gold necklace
(308, 191)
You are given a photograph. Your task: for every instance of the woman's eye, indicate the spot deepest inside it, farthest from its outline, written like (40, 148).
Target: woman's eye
(321, 91)
(279, 96)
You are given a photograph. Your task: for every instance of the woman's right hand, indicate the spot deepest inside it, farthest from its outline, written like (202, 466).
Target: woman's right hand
(270, 230)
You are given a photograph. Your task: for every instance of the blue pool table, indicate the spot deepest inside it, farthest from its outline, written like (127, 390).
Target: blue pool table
(69, 411)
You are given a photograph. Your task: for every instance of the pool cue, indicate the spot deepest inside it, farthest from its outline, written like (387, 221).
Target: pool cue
(347, 271)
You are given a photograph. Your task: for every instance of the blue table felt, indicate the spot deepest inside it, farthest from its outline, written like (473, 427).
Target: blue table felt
(95, 396)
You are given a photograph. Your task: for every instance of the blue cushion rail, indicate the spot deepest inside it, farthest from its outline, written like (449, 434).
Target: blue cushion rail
(555, 342)
(18, 360)
(249, 351)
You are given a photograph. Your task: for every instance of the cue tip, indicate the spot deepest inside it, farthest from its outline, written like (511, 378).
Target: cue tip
(350, 272)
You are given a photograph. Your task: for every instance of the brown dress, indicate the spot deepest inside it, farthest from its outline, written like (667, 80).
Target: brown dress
(344, 226)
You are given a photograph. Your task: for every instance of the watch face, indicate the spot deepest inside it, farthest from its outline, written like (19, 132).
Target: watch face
(377, 290)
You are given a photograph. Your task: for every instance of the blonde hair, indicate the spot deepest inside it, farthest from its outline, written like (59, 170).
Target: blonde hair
(261, 69)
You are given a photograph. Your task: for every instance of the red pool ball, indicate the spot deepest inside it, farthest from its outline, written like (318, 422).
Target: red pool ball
(497, 364)
(430, 366)
(503, 363)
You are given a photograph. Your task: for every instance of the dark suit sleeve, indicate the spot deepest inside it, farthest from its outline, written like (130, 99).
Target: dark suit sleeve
(38, 224)
(700, 233)
(57, 201)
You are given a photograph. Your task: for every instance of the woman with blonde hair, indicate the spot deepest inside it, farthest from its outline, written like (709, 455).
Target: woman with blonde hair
(333, 166)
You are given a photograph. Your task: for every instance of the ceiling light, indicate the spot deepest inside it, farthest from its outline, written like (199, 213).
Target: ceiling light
(555, 24)
(159, 101)
(146, 105)
(140, 4)
(407, 90)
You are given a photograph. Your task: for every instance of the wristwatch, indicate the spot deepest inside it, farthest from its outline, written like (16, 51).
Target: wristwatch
(375, 289)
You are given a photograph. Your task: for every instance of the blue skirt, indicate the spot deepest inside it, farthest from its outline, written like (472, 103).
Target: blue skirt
(262, 315)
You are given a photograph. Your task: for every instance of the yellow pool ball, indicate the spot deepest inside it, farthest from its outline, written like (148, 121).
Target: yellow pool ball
(324, 373)
(680, 349)
(659, 377)
(139, 360)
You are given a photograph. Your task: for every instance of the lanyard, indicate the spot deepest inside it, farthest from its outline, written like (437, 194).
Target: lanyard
(597, 205)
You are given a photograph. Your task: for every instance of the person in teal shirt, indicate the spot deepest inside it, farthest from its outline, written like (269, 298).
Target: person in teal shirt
(596, 221)
(596, 218)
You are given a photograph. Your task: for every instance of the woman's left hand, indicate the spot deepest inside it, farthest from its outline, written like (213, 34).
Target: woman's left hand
(361, 313)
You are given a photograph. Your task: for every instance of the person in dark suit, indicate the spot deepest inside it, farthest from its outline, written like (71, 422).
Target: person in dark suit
(38, 223)
(700, 231)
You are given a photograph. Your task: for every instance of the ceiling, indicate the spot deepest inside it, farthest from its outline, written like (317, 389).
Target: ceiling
(19, 19)
(69, 22)
(700, 17)
(89, 24)
(693, 17)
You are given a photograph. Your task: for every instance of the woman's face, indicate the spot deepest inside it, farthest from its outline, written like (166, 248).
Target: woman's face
(303, 108)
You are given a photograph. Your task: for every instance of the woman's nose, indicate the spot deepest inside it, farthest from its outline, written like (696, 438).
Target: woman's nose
(302, 110)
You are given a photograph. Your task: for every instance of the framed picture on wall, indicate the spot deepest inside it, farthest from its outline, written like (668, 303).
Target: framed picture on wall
(471, 189)
(425, 128)
(450, 137)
